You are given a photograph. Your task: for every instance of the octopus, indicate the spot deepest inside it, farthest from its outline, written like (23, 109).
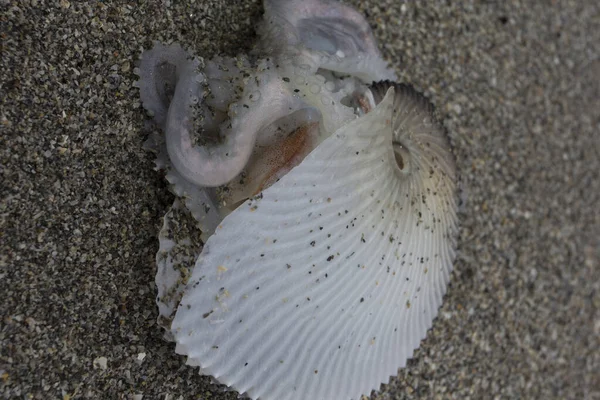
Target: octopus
(313, 231)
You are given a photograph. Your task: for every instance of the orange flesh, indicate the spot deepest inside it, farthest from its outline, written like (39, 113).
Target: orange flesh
(285, 155)
(364, 104)
(269, 164)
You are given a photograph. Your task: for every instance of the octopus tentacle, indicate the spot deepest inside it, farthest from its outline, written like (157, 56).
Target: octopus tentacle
(265, 99)
(332, 35)
(159, 72)
(321, 25)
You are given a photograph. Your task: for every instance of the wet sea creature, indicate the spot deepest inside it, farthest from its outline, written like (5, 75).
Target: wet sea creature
(313, 234)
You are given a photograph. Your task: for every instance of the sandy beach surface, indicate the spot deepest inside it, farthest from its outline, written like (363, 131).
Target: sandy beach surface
(517, 84)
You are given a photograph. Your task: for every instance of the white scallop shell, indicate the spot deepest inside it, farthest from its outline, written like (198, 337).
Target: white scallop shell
(323, 285)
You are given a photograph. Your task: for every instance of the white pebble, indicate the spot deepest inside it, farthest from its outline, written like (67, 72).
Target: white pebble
(100, 362)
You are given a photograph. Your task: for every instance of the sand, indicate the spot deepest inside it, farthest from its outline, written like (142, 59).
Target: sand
(517, 86)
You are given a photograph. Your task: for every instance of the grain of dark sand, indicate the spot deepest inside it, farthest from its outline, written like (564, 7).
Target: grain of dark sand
(517, 85)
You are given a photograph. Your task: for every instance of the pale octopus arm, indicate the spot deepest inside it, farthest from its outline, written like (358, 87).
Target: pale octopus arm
(327, 34)
(265, 99)
(208, 104)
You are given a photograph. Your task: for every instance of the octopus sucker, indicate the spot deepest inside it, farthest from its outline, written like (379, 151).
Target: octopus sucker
(314, 227)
